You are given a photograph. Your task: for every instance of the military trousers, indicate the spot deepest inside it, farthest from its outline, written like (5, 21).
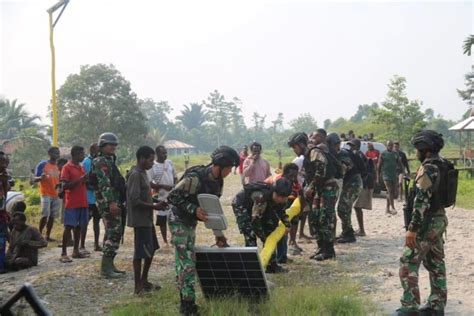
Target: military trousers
(244, 222)
(113, 231)
(183, 238)
(429, 251)
(349, 193)
(323, 212)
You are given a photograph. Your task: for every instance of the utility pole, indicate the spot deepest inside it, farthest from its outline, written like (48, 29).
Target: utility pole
(62, 4)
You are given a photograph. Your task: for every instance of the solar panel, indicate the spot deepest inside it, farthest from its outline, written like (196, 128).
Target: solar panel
(231, 271)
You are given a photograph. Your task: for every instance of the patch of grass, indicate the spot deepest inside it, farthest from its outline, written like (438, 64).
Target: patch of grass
(333, 298)
(465, 196)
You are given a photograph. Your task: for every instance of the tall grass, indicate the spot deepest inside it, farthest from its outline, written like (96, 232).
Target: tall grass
(336, 298)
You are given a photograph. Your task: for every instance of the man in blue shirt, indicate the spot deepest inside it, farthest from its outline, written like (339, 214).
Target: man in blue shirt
(93, 211)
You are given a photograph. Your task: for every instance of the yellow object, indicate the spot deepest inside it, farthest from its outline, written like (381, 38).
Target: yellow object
(278, 233)
(53, 80)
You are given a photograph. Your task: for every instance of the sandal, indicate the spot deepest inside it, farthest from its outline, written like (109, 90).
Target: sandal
(65, 259)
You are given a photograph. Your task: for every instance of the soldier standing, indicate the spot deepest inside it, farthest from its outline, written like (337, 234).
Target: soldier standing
(320, 189)
(109, 188)
(353, 167)
(424, 238)
(185, 213)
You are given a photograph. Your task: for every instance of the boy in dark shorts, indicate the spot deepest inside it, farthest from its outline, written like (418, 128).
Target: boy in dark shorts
(140, 208)
(76, 214)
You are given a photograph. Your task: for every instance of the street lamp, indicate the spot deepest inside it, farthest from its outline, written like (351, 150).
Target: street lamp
(62, 4)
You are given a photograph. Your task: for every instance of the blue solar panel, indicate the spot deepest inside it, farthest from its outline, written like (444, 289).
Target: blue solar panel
(231, 271)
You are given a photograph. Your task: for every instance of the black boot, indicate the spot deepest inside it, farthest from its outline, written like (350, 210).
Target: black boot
(319, 250)
(347, 237)
(327, 253)
(273, 267)
(188, 308)
(427, 310)
(402, 313)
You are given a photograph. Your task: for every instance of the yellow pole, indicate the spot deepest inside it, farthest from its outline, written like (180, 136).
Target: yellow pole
(53, 81)
(272, 240)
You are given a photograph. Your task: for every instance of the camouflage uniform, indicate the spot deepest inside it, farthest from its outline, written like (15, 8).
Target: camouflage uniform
(106, 193)
(351, 188)
(258, 215)
(323, 203)
(183, 223)
(429, 222)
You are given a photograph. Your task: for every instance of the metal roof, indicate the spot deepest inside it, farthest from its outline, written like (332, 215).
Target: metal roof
(466, 125)
(176, 144)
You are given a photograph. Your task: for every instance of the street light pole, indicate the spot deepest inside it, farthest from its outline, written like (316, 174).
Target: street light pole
(60, 5)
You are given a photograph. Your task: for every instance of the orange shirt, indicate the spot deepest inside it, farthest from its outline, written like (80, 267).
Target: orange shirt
(48, 184)
(296, 185)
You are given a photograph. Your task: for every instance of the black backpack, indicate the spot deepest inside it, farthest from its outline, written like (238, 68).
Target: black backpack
(446, 185)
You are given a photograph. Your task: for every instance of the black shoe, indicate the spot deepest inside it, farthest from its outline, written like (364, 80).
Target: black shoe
(427, 310)
(327, 253)
(275, 268)
(285, 260)
(346, 239)
(398, 312)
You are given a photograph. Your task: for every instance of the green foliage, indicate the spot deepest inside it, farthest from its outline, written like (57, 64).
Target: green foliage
(400, 116)
(99, 99)
(304, 123)
(193, 116)
(468, 45)
(465, 95)
(14, 118)
(364, 111)
(465, 196)
(156, 114)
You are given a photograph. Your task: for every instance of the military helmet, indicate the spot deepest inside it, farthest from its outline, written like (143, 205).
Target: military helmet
(428, 139)
(333, 139)
(107, 138)
(298, 138)
(225, 156)
(282, 187)
(355, 142)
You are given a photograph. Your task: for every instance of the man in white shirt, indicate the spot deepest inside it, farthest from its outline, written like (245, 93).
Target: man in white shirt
(162, 178)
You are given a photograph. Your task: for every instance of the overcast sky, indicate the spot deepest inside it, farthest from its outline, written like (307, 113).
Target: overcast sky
(276, 56)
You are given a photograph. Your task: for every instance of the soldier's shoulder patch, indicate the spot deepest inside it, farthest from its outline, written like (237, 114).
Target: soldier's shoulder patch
(317, 155)
(423, 179)
(189, 184)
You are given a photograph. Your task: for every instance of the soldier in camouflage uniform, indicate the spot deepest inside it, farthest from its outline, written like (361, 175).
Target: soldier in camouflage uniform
(186, 212)
(424, 238)
(320, 189)
(353, 167)
(108, 185)
(258, 208)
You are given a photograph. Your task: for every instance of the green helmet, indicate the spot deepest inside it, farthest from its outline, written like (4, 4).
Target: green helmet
(107, 138)
(428, 139)
(225, 156)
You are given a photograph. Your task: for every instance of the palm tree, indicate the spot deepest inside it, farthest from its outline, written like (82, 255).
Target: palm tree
(193, 116)
(468, 45)
(14, 118)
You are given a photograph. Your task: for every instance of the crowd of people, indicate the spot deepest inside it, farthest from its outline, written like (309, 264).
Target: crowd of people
(326, 178)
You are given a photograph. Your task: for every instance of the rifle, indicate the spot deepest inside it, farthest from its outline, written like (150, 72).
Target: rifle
(409, 201)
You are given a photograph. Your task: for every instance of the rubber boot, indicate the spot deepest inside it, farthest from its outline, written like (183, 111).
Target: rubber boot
(273, 267)
(107, 270)
(399, 312)
(115, 268)
(427, 310)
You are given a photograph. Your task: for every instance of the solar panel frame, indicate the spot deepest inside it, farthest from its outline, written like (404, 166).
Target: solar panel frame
(224, 272)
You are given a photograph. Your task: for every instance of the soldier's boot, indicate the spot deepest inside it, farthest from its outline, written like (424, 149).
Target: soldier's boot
(319, 250)
(188, 308)
(116, 270)
(347, 237)
(107, 270)
(400, 312)
(273, 267)
(327, 253)
(427, 310)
